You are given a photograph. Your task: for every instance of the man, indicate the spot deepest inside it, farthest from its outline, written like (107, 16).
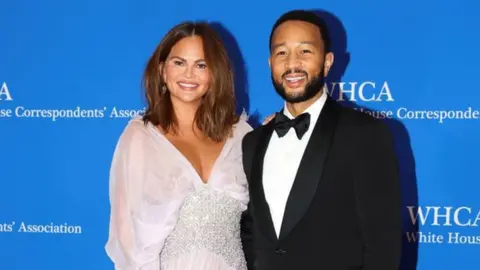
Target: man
(323, 179)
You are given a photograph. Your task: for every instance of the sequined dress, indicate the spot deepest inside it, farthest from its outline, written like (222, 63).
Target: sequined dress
(163, 217)
(207, 234)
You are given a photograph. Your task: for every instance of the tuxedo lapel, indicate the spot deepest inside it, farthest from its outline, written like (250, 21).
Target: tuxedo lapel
(310, 170)
(261, 208)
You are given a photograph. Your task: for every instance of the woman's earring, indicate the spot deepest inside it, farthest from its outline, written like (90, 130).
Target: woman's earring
(164, 89)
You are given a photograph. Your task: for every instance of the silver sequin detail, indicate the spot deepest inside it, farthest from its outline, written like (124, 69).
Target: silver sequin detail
(208, 220)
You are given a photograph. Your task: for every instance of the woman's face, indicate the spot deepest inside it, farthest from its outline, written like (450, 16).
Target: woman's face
(185, 71)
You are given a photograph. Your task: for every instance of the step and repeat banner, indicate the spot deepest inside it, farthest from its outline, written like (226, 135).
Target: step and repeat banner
(70, 76)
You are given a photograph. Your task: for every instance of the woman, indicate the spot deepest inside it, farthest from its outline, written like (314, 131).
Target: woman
(177, 186)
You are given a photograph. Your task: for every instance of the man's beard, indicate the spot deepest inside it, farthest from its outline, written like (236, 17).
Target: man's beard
(312, 88)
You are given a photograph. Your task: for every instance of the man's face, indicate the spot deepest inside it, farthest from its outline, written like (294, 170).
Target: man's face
(298, 61)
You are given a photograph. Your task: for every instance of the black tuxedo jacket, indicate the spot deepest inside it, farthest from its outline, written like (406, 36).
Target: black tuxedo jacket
(343, 211)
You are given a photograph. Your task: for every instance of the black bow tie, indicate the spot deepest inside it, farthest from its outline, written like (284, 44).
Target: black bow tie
(300, 124)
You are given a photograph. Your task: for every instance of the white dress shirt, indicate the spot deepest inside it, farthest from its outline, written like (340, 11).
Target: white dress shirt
(282, 160)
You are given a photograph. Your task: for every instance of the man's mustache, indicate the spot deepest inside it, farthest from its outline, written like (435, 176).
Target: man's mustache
(290, 71)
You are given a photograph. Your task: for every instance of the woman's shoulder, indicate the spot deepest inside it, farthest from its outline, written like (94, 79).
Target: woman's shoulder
(136, 131)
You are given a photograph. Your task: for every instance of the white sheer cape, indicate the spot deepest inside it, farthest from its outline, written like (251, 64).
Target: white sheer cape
(149, 182)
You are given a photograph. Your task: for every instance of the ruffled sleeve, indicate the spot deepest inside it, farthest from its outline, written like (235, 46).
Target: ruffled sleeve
(230, 175)
(139, 223)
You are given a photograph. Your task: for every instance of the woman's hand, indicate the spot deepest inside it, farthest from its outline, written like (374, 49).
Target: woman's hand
(267, 119)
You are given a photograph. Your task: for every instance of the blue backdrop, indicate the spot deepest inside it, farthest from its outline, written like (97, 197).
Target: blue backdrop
(70, 79)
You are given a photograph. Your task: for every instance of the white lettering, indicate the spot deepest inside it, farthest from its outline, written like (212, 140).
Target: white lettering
(7, 227)
(386, 92)
(424, 216)
(457, 238)
(5, 113)
(22, 228)
(342, 90)
(50, 228)
(372, 95)
(117, 113)
(427, 238)
(412, 237)
(443, 216)
(5, 93)
(456, 214)
(360, 91)
(55, 114)
(419, 213)
(477, 219)
(377, 114)
(437, 215)
(440, 116)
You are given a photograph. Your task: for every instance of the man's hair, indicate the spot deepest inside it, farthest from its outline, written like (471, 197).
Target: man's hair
(304, 16)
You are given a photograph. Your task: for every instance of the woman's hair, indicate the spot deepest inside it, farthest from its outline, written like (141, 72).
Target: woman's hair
(216, 115)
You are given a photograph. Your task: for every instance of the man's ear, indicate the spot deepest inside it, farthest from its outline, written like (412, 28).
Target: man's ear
(328, 63)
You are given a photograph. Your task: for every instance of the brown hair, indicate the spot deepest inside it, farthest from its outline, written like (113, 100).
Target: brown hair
(216, 114)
